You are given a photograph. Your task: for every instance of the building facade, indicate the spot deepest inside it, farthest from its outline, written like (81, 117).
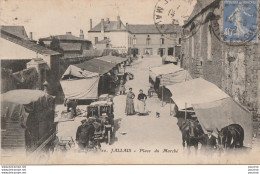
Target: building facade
(115, 31)
(233, 68)
(148, 40)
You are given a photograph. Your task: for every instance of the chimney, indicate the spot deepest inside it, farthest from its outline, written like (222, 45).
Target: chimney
(102, 25)
(68, 33)
(90, 21)
(31, 36)
(81, 35)
(126, 25)
(118, 22)
(108, 20)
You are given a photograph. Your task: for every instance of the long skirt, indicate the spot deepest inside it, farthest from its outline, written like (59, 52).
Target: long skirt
(141, 107)
(130, 109)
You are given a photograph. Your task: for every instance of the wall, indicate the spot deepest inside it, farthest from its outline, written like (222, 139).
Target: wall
(118, 39)
(238, 77)
(155, 42)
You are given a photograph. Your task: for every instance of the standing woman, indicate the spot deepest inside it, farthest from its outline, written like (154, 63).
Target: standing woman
(141, 102)
(129, 109)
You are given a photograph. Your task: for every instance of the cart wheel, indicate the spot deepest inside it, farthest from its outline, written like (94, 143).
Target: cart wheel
(109, 137)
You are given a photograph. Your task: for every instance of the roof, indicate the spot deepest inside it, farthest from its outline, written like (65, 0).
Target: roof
(70, 46)
(112, 59)
(65, 37)
(26, 43)
(195, 91)
(152, 29)
(96, 65)
(108, 26)
(198, 8)
(16, 30)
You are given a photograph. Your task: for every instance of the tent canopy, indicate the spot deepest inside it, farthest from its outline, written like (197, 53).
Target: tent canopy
(75, 72)
(221, 113)
(195, 91)
(79, 84)
(169, 74)
(112, 59)
(16, 105)
(96, 65)
(170, 59)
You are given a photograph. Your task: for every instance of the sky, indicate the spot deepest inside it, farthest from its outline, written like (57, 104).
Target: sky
(53, 17)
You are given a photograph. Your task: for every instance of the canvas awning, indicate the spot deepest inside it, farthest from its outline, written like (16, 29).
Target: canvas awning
(112, 59)
(17, 105)
(79, 84)
(169, 74)
(170, 59)
(221, 113)
(195, 91)
(97, 66)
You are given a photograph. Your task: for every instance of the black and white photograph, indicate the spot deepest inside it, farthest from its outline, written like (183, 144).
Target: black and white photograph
(130, 82)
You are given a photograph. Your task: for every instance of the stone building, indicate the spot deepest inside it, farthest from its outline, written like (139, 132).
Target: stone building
(18, 51)
(235, 68)
(137, 39)
(148, 40)
(70, 45)
(115, 31)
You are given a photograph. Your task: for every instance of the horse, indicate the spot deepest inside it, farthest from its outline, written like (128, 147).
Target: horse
(191, 131)
(231, 136)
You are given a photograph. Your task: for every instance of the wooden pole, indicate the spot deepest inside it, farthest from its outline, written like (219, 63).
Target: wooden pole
(170, 107)
(162, 95)
(185, 111)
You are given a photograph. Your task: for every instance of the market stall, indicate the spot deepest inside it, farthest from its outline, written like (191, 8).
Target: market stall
(27, 120)
(79, 84)
(211, 106)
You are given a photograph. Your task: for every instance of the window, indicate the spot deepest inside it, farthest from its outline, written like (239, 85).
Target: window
(134, 41)
(105, 38)
(209, 56)
(162, 41)
(179, 40)
(148, 41)
(96, 40)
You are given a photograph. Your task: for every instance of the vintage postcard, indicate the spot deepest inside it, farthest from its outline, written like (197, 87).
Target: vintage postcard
(130, 81)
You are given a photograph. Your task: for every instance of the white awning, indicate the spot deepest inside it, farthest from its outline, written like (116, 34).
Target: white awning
(224, 112)
(195, 91)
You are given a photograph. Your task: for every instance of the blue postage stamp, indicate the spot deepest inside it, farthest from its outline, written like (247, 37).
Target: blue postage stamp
(240, 20)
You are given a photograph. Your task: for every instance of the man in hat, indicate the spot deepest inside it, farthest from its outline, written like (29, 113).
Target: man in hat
(209, 142)
(84, 133)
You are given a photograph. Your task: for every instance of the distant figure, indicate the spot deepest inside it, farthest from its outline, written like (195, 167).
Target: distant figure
(209, 142)
(84, 134)
(69, 103)
(129, 109)
(141, 102)
(122, 87)
(151, 91)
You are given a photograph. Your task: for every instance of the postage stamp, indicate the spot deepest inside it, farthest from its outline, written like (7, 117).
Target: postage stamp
(240, 21)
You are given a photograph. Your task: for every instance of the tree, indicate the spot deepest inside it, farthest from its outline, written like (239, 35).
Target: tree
(55, 45)
(41, 43)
